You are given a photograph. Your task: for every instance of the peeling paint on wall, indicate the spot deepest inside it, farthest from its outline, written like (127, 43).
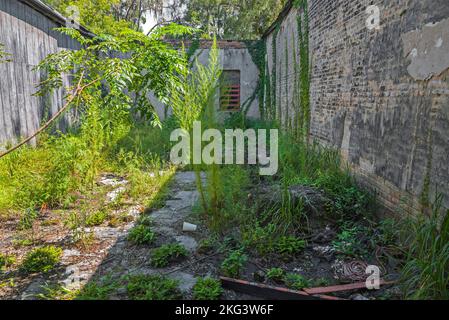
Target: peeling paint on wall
(428, 50)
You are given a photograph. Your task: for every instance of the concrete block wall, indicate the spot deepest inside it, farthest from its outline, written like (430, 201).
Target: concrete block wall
(379, 96)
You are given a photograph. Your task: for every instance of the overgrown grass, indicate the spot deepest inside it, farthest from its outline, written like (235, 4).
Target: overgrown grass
(426, 272)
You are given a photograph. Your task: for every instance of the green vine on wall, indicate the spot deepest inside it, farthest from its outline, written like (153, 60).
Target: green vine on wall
(287, 116)
(257, 50)
(274, 104)
(303, 121)
(267, 84)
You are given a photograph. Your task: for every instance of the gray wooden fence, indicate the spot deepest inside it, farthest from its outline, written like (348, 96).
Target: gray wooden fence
(27, 32)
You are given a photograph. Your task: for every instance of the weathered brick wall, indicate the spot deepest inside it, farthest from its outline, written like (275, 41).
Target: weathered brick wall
(380, 96)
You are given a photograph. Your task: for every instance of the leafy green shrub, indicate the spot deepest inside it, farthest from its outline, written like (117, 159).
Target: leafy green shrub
(296, 281)
(207, 289)
(289, 245)
(42, 259)
(6, 261)
(141, 234)
(165, 254)
(152, 287)
(233, 264)
(276, 274)
(97, 218)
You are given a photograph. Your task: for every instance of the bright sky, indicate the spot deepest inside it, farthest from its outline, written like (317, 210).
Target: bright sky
(150, 23)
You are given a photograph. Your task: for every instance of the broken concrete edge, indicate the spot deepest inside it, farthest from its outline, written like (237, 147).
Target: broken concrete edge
(270, 292)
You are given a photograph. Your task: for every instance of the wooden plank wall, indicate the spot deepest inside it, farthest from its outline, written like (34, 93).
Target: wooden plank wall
(29, 36)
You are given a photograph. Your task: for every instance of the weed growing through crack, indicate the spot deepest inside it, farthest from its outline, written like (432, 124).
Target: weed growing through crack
(207, 289)
(42, 259)
(56, 292)
(152, 287)
(98, 290)
(141, 234)
(164, 255)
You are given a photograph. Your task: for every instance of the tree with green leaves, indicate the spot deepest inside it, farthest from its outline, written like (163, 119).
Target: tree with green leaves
(108, 16)
(232, 19)
(111, 78)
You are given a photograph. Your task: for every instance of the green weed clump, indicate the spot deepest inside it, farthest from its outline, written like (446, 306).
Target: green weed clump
(164, 255)
(234, 263)
(6, 261)
(56, 292)
(296, 281)
(207, 289)
(96, 218)
(289, 245)
(152, 287)
(426, 271)
(276, 274)
(42, 259)
(348, 241)
(141, 234)
(260, 238)
(100, 289)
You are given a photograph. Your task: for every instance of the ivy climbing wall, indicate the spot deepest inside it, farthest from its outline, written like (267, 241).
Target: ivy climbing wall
(379, 95)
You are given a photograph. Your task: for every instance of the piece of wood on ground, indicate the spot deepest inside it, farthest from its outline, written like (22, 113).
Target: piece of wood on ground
(269, 292)
(340, 288)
